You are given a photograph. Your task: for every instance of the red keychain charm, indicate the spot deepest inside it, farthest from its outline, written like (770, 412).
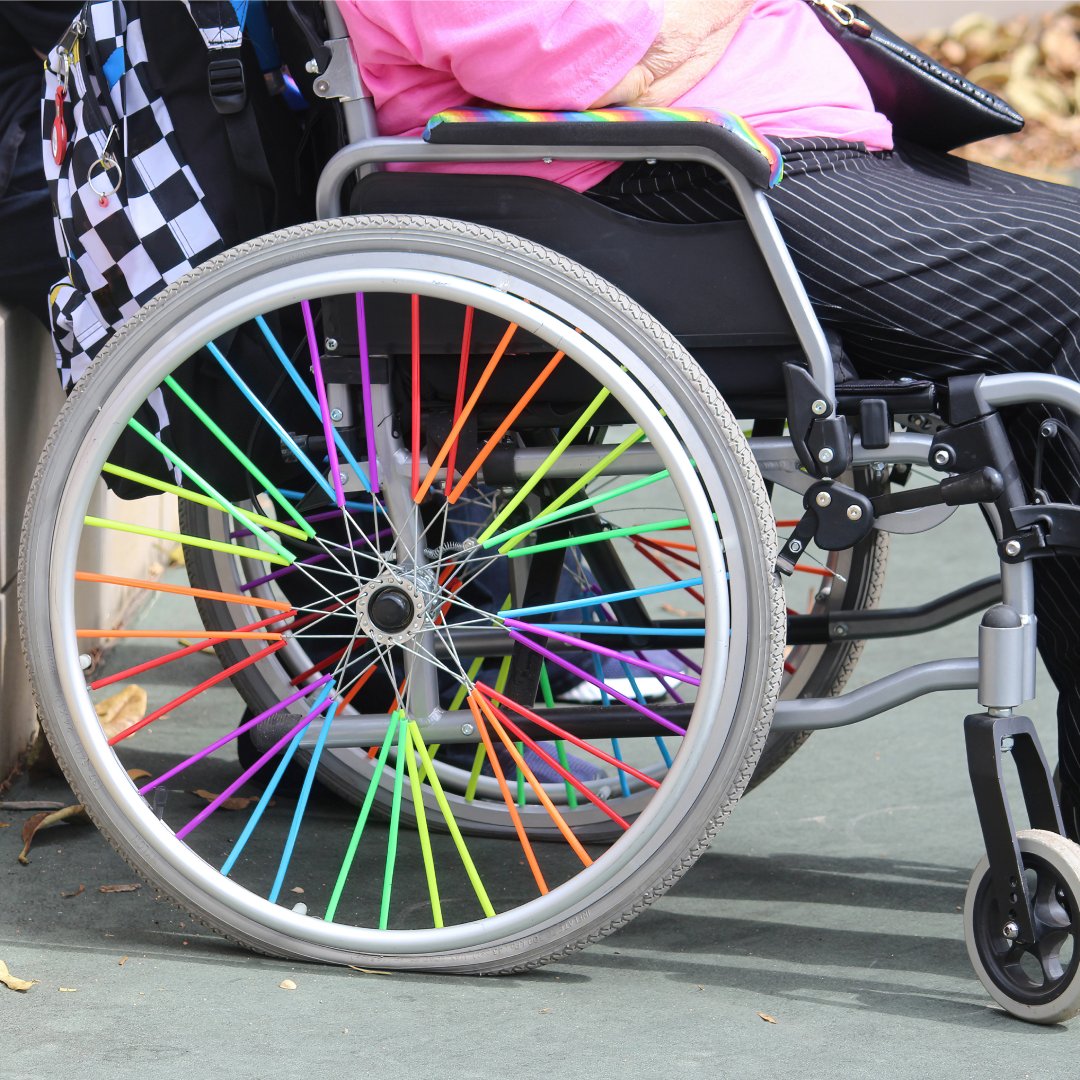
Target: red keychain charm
(59, 138)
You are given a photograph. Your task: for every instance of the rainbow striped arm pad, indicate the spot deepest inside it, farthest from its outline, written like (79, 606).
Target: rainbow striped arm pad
(754, 155)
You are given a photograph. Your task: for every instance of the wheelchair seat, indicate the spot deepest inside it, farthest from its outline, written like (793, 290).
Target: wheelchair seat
(708, 284)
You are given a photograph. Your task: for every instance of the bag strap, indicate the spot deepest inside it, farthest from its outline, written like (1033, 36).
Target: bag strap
(222, 28)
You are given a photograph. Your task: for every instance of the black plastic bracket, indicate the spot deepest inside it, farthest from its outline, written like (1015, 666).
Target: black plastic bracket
(875, 424)
(835, 517)
(965, 399)
(228, 90)
(820, 437)
(345, 368)
(988, 739)
(978, 486)
(1045, 529)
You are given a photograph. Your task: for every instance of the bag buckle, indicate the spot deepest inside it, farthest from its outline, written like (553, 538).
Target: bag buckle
(228, 91)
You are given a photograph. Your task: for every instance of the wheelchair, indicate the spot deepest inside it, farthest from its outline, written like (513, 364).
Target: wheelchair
(481, 529)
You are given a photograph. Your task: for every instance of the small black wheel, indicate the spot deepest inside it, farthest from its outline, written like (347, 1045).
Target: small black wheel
(1037, 982)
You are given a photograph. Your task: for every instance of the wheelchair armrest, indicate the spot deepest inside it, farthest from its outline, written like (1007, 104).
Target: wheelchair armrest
(729, 135)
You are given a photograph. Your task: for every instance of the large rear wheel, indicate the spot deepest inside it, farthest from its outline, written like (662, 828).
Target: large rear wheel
(426, 594)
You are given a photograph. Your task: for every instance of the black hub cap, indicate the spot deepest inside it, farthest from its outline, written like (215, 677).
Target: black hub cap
(391, 609)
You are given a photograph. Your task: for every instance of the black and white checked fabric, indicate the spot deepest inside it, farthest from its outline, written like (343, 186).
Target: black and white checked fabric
(218, 23)
(928, 266)
(122, 246)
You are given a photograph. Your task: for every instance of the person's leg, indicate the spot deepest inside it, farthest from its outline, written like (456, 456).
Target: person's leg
(930, 266)
(27, 227)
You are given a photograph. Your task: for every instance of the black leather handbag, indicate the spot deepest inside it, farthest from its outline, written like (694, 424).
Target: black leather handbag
(926, 103)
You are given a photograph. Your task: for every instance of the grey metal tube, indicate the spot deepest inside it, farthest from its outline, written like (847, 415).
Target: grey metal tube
(1001, 658)
(802, 714)
(904, 447)
(771, 453)
(1027, 387)
(813, 714)
(1018, 591)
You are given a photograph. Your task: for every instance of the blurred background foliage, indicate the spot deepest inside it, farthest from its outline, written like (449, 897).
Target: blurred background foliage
(1032, 60)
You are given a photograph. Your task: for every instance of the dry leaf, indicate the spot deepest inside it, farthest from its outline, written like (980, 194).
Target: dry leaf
(34, 804)
(5, 824)
(237, 802)
(370, 971)
(11, 982)
(287, 984)
(176, 556)
(38, 822)
(138, 774)
(119, 888)
(297, 889)
(121, 710)
(68, 989)
(78, 892)
(1033, 61)
(767, 1018)
(122, 961)
(40, 759)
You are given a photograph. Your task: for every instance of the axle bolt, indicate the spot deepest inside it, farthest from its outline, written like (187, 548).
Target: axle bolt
(825, 455)
(467, 729)
(854, 512)
(1011, 931)
(1012, 548)
(942, 457)
(85, 661)
(312, 67)
(819, 408)
(794, 546)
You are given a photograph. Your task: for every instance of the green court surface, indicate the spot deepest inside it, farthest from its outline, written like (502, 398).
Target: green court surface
(830, 904)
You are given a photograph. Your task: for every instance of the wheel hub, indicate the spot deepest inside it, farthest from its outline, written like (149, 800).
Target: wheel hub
(392, 607)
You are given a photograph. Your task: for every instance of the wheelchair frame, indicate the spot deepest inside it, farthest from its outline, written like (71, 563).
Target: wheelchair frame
(1003, 672)
(400, 603)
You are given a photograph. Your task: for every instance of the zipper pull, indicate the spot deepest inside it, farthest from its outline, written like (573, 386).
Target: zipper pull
(102, 183)
(845, 16)
(59, 136)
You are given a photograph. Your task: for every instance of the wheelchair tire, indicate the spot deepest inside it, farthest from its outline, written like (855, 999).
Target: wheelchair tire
(1039, 983)
(824, 670)
(496, 913)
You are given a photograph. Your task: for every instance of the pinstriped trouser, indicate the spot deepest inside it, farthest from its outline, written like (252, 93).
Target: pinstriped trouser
(928, 266)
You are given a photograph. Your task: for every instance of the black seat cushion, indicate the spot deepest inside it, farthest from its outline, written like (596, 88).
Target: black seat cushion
(708, 284)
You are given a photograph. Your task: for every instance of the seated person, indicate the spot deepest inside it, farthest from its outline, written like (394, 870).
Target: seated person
(927, 265)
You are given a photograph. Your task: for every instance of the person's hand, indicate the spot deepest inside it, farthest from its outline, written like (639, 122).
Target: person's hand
(692, 39)
(630, 88)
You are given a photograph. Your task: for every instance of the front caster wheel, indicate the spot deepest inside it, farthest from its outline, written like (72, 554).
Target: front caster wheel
(1037, 982)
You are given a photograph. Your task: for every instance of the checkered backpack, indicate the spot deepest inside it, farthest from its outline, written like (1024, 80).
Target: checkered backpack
(134, 207)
